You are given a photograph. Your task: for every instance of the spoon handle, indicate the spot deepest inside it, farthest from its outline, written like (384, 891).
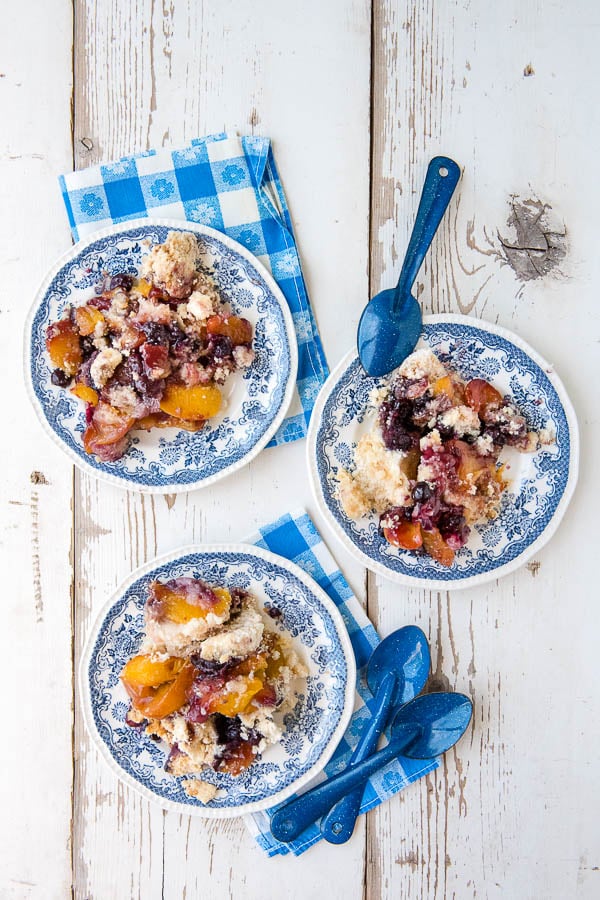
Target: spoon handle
(291, 820)
(338, 824)
(435, 197)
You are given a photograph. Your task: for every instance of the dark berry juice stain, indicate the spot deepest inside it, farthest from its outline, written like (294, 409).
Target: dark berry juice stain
(538, 244)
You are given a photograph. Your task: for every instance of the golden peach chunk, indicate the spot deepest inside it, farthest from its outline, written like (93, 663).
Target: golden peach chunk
(162, 420)
(145, 671)
(85, 393)
(437, 547)
(169, 697)
(192, 403)
(177, 609)
(453, 389)
(236, 702)
(142, 286)
(62, 344)
(238, 330)
(86, 319)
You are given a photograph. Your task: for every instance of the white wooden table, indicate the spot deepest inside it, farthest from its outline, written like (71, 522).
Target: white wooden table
(356, 100)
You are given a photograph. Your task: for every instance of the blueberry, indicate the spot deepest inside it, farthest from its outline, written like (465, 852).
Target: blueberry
(155, 333)
(122, 280)
(421, 492)
(221, 346)
(60, 378)
(211, 666)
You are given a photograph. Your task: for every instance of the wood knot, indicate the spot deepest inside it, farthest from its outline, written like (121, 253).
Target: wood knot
(537, 242)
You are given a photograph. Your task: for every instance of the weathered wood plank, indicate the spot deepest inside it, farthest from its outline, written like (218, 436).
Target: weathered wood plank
(36, 485)
(508, 92)
(173, 73)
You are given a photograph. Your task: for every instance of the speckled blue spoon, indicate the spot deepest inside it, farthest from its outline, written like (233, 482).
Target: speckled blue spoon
(391, 323)
(397, 672)
(424, 728)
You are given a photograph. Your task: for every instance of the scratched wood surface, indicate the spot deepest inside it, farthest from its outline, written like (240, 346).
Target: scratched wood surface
(356, 100)
(503, 89)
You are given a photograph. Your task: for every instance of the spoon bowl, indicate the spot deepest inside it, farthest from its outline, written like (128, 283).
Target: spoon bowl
(391, 323)
(405, 654)
(397, 672)
(424, 728)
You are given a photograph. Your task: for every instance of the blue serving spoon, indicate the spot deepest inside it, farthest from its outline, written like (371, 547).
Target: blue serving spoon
(397, 672)
(391, 323)
(424, 728)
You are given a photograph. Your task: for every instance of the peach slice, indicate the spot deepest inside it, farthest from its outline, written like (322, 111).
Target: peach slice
(238, 330)
(202, 401)
(63, 346)
(235, 702)
(239, 760)
(437, 547)
(451, 388)
(406, 535)
(108, 426)
(145, 671)
(481, 396)
(266, 697)
(86, 319)
(162, 420)
(470, 464)
(257, 662)
(169, 697)
(142, 286)
(176, 609)
(409, 464)
(85, 393)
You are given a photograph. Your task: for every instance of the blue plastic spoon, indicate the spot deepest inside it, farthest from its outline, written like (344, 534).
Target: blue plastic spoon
(424, 728)
(397, 672)
(391, 323)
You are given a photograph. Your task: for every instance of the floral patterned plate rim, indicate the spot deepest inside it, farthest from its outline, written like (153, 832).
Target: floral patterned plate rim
(168, 460)
(541, 484)
(312, 730)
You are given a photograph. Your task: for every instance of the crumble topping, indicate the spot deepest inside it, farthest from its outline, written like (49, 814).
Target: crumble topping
(201, 790)
(172, 265)
(378, 480)
(104, 365)
(239, 638)
(422, 364)
(462, 420)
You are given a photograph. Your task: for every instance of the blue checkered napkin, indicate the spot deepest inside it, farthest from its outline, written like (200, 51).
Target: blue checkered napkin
(231, 184)
(296, 538)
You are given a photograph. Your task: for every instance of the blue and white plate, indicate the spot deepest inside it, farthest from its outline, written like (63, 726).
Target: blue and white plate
(312, 730)
(540, 484)
(168, 460)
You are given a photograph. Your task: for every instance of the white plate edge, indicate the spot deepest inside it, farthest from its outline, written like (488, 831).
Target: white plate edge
(258, 805)
(471, 580)
(178, 224)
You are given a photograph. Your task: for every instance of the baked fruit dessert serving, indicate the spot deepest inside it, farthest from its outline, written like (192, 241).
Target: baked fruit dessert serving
(430, 464)
(149, 351)
(211, 672)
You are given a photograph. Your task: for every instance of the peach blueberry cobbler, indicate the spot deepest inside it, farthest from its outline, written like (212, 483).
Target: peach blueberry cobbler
(211, 672)
(429, 467)
(149, 351)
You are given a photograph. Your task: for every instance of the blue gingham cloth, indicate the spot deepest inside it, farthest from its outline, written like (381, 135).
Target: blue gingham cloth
(231, 184)
(295, 537)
